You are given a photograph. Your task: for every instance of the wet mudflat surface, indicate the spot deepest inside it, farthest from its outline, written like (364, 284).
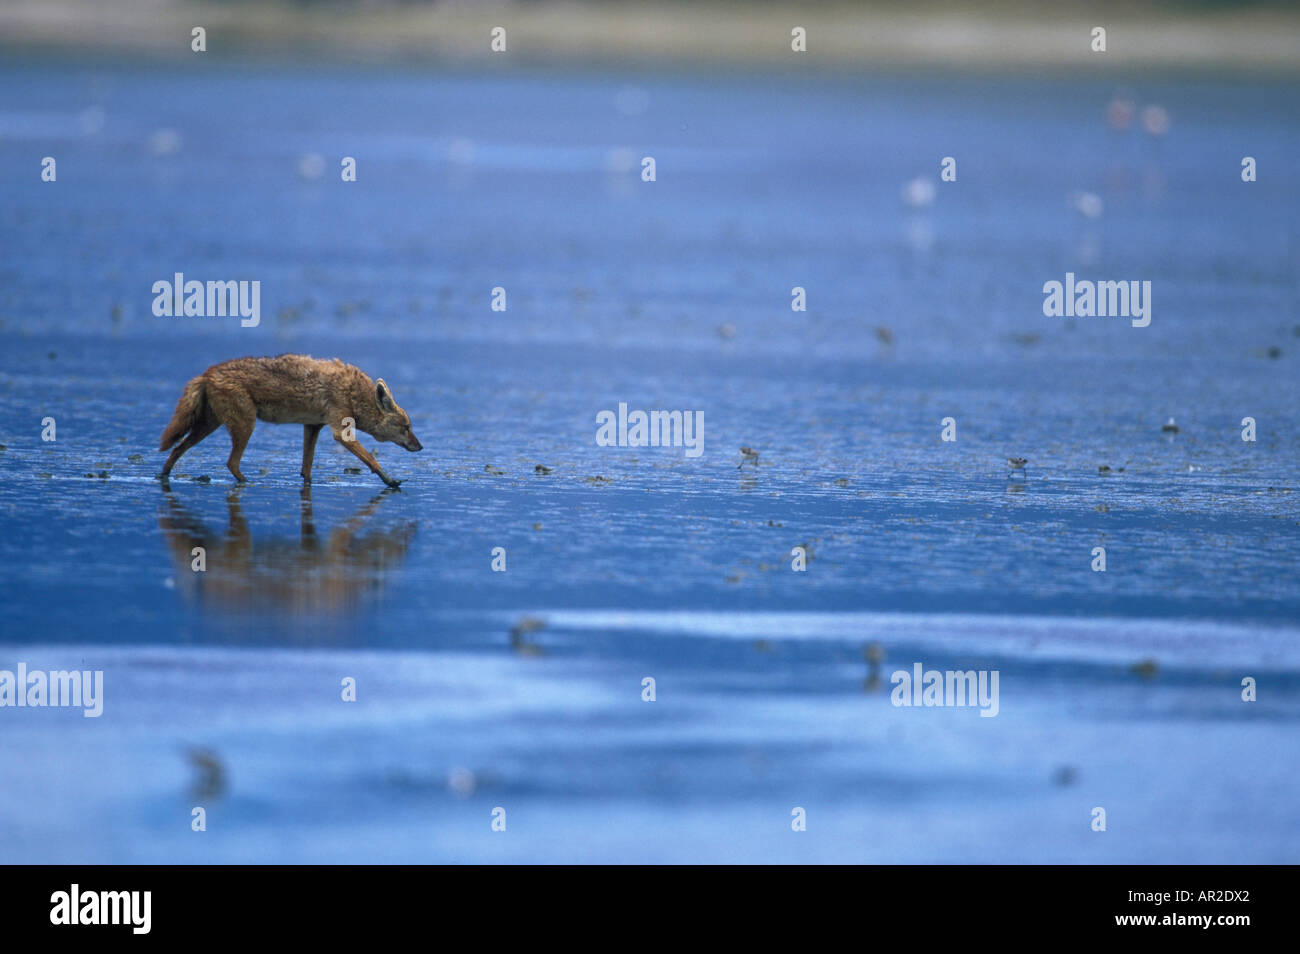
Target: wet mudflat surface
(1119, 689)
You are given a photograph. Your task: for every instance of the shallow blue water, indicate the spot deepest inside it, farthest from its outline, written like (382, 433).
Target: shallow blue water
(643, 562)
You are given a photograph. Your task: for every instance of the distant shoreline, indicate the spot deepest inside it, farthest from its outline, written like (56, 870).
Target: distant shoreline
(1013, 37)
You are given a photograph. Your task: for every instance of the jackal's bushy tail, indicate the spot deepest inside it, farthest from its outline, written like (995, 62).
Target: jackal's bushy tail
(189, 410)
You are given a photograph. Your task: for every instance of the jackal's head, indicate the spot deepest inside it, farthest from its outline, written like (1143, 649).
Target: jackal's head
(394, 423)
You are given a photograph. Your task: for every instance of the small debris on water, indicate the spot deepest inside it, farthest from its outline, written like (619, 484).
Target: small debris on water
(524, 626)
(1147, 668)
(1065, 775)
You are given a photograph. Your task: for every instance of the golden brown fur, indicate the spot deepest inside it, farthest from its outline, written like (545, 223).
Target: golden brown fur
(289, 389)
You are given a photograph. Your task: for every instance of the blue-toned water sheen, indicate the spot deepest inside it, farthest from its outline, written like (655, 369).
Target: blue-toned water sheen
(1120, 690)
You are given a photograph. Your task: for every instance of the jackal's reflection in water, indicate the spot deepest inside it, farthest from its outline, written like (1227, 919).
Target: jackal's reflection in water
(323, 572)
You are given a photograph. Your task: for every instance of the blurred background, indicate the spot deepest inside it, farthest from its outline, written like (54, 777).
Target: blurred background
(774, 170)
(1002, 34)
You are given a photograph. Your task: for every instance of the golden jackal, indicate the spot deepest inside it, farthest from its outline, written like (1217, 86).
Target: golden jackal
(290, 389)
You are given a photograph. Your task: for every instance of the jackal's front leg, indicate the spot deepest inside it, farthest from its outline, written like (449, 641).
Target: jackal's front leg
(309, 434)
(368, 458)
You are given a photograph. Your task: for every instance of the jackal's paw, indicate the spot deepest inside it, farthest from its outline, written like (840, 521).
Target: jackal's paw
(395, 484)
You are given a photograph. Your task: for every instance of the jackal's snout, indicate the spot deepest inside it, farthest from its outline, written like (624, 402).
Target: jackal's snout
(412, 443)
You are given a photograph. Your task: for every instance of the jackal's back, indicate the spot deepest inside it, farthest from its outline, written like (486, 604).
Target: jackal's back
(293, 388)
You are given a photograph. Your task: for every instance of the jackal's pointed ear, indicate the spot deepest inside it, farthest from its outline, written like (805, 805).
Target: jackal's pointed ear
(381, 392)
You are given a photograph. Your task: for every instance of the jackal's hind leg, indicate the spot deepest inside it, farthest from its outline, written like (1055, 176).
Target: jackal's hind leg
(240, 432)
(202, 429)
